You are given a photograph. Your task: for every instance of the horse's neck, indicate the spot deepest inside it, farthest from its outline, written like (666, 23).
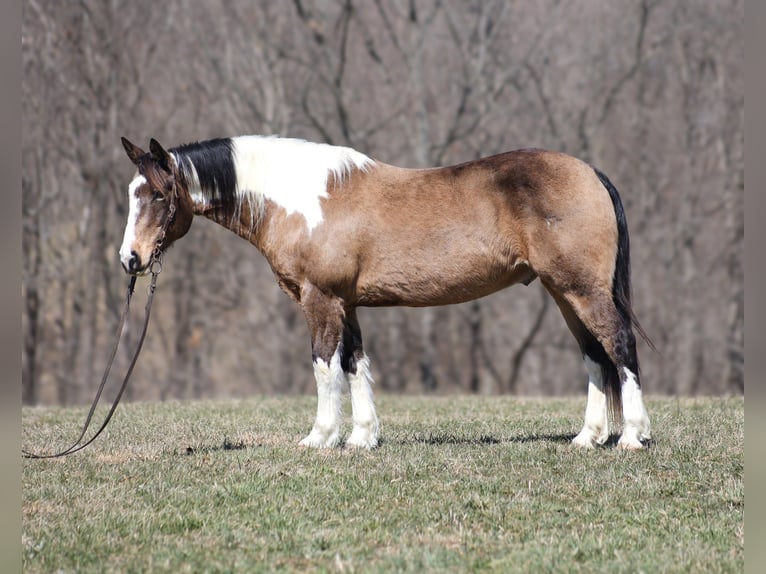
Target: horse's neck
(239, 225)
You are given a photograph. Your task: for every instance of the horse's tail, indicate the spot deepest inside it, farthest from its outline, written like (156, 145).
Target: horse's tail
(622, 297)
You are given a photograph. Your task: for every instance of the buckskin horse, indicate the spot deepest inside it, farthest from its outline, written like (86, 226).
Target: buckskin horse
(341, 230)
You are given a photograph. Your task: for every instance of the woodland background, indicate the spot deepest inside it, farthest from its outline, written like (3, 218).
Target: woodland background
(650, 91)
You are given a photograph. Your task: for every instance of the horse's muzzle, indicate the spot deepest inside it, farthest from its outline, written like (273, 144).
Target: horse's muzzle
(134, 265)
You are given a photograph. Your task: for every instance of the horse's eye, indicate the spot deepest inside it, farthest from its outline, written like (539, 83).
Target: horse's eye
(157, 196)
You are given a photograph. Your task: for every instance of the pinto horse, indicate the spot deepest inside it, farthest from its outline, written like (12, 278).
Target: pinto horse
(341, 230)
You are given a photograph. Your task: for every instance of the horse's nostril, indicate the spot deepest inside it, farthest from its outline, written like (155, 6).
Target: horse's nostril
(135, 261)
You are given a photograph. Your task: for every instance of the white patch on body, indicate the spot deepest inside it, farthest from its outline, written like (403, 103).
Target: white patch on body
(290, 172)
(329, 379)
(595, 431)
(365, 432)
(129, 236)
(637, 428)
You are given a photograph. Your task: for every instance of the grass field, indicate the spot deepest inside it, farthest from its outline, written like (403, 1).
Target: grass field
(459, 484)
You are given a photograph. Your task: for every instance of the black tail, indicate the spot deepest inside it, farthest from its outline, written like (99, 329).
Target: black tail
(622, 296)
(621, 289)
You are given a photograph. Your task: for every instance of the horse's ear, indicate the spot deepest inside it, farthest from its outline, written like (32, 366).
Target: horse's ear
(134, 152)
(162, 157)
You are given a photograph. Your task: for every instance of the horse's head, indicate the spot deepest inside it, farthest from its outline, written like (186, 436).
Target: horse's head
(160, 207)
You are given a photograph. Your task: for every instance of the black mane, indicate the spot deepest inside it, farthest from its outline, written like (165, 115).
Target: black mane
(213, 161)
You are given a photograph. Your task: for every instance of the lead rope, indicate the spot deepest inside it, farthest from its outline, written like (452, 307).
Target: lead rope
(155, 267)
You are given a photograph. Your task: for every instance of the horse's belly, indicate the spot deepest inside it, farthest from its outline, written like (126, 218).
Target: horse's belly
(423, 284)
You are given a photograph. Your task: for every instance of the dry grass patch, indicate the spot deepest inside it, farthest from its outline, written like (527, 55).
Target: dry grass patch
(459, 484)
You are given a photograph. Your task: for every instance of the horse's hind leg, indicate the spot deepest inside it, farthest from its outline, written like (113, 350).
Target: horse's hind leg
(356, 365)
(609, 349)
(595, 430)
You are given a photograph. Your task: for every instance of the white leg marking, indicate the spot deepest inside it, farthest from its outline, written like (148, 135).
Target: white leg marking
(636, 428)
(595, 431)
(365, 433)
(329, 378)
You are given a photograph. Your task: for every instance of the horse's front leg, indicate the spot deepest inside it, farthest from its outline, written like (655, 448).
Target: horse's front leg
(324, 315)
(329, 379)
(356, 365)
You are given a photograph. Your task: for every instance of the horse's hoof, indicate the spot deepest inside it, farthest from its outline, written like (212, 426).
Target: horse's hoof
(588, 439)
(362, 438)
(585, 442)
(629, 444)
(318, 440)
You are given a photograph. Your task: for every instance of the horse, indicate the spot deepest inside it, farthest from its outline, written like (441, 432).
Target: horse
(341, 230)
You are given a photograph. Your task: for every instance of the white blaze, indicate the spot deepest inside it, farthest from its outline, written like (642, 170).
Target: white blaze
(130, 227)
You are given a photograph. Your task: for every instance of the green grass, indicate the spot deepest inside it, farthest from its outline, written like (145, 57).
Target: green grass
(459, 484)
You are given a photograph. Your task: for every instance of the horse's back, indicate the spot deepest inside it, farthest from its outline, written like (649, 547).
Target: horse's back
(523, 203)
